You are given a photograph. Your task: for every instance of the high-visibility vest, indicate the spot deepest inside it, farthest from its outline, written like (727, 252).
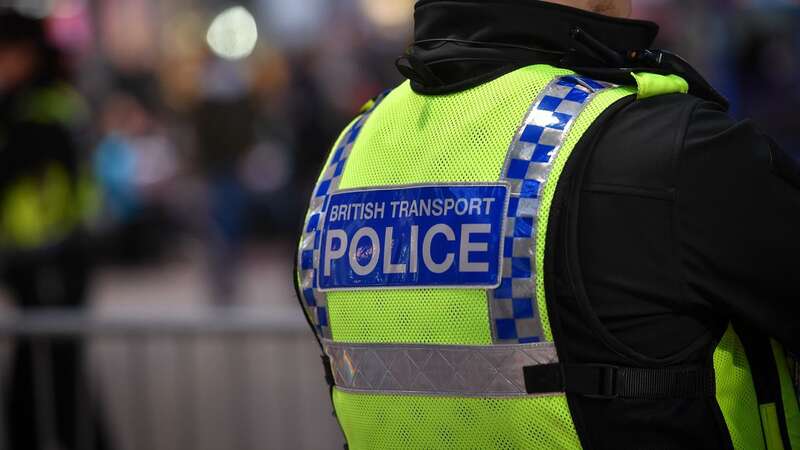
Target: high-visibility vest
(421, 267)
(42, 209)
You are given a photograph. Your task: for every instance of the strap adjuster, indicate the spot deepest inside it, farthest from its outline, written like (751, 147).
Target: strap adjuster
(598, 381)
(607, 388)
(329, 378)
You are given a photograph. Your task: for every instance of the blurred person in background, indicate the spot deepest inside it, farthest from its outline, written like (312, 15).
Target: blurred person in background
(44, 197)
(135, 164)
(224, 132)
(766, 64)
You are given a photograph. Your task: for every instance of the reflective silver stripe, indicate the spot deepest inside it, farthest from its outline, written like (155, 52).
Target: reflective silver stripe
(463, 371)
(513, 306)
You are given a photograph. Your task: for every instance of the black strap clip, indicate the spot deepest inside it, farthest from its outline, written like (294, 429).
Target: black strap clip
(329, 378)
(599, 381)
(607, 387)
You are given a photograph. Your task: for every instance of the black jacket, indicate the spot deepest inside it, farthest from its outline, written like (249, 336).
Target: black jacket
(674, 219)
(28, 146)
(687, 216)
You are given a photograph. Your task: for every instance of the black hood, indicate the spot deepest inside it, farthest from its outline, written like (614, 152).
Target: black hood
(459, 44)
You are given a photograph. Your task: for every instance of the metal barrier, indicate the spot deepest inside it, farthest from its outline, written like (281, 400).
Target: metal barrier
(194, 379)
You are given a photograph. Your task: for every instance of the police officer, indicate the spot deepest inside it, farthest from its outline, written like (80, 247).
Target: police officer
(43, 257)
(552, 236)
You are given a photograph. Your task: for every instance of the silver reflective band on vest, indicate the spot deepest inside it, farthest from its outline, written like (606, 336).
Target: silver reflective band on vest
(464, 371)
(513, 307)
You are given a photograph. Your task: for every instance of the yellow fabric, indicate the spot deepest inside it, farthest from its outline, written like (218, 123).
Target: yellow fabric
(387, 422)
(430, 317)
(770, 424)
(37, 210)
(89, 198)
(736, 393)
(56, 104)
(411, 138)
(788, 395)
(367, 106)
(651, 84)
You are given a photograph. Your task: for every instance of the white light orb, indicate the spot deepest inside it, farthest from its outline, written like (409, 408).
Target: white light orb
(233, 33)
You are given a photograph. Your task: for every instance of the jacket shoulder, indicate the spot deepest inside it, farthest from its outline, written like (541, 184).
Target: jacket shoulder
(639, 146)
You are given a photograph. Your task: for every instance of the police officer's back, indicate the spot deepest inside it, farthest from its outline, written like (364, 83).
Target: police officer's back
(552, 237)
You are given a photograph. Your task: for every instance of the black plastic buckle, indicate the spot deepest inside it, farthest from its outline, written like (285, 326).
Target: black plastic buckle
(606, 382)
(329, 378)
(543, 379)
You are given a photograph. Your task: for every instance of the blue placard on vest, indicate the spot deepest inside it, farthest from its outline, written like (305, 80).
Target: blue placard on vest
(414, 237)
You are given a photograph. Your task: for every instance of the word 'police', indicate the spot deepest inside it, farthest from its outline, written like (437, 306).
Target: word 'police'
(417, 236)
(372, 253)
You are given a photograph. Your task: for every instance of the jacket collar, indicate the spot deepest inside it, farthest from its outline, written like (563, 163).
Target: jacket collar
(526, 22)
(459, 44)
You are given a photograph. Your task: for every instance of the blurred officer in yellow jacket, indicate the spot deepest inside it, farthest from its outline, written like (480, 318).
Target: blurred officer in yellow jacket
(43, 199)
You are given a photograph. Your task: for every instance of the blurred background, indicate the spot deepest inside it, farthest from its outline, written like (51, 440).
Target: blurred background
(197, 129)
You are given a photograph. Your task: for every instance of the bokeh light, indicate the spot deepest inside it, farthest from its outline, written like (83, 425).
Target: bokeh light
(233, 33)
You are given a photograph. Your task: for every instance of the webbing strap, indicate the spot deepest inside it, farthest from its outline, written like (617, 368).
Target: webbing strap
(608, 382)
(326, 365)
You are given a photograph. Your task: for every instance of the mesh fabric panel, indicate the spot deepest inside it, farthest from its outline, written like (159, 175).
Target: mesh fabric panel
(593, 109)
(736, 393)
(410, 139)
(430, 316)
(408, 422)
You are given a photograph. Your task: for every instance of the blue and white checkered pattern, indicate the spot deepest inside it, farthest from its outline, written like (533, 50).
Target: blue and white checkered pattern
(513, 306)
(316, 302)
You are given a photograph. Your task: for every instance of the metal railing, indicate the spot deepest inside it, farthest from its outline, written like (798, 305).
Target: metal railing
(194, 379)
